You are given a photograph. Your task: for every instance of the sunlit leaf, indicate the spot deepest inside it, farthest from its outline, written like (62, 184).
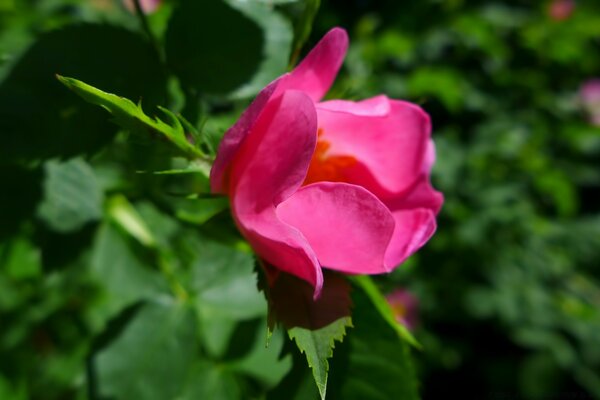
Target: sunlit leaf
(72, 196)
(131, 117)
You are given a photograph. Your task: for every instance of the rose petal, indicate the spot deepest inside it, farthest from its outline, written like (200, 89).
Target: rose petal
(348, 228)
(412, 230)
(378, 106)
(235, 136)
(315, 74)
(421, 195)
(391, 150)
(270, 165)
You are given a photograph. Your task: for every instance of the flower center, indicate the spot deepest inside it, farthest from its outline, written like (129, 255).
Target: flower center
(324, 167)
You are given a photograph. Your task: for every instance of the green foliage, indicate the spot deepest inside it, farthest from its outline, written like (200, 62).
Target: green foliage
(150, 357)
(72, 196)
(197, 37)
(132, 118)
(375, 364)
(509, 284)
(318, 346)
(313, 324)
(122, 277)
(108, 56)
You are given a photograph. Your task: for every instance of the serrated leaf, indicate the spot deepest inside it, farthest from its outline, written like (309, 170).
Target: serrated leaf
(318, 346)
(72, 196)
(372, 363)
(381, 305)
(315, 325)
(132, 118)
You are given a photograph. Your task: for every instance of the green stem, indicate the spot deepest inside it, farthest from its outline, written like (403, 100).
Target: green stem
(167, 271)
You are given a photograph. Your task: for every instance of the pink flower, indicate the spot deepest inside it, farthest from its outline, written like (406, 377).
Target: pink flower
(404, 306)
(148, 6)
(560, 10)
(589, 95)
(336, 184)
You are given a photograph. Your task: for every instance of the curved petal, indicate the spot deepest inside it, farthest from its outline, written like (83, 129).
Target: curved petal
(317, 71)
(234, 138)
(270, 165)
(348, 228)
(378, 106)
(282, 246)
(422, 195)
(390, 150)
(412, 230)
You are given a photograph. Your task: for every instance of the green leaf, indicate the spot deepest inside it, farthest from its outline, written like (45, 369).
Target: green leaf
(314, 325)
(303, 27)
(224, 281)
(222, 284)
(19, 197)
(381, 305)
(40, 120)
(209, 380)
(151, 357)
(72, 196)
(212, 47)
(198, 211)
(126, 216)
(278, 36)
(318, 346)
(132, 118)
(372, 363)
(236, 58)
(123, 276)
(264, 363)
(21, 259)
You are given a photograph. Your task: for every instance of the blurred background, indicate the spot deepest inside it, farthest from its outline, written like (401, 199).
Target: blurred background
(508, 290)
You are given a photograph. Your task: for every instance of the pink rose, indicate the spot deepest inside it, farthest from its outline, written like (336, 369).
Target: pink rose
(148, 6)
(404, 306)
(336, 184)
(589, 95)
(560, 10)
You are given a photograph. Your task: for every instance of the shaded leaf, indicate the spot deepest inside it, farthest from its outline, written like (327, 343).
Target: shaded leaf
(277, 45)
(303, 26)
(122, 275)
(208, 54)
(39, 119)
(372, 363)
(381, 305)
(19, 197)
(151, 357)
(208, 380)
